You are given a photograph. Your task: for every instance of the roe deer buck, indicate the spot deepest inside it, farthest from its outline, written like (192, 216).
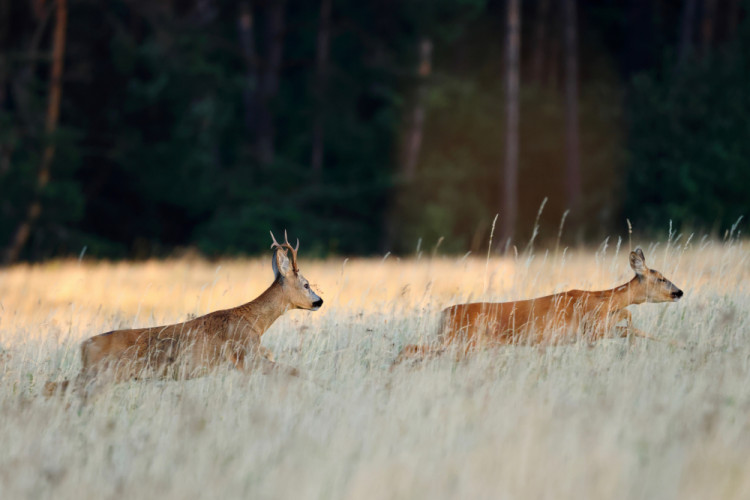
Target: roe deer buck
(550, 319)
(191, 348)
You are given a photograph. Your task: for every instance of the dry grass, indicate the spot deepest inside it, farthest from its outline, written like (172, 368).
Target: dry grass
(619, 420)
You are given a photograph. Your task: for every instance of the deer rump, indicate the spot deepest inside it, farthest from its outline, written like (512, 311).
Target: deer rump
(180, 351)
(174, 351)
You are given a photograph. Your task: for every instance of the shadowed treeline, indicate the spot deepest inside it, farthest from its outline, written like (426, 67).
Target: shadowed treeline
(132, 128)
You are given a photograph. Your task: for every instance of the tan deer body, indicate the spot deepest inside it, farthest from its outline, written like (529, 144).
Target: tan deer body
(550, 319)
(190, 349)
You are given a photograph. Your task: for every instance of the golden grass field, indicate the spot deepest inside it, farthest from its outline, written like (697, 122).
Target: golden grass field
(620, 419)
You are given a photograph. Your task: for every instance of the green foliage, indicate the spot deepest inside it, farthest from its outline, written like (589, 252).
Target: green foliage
(458, 187)
(157, 144)
(688, 142)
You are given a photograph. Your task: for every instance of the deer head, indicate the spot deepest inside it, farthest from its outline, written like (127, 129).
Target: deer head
(651, 285)
(296, 288)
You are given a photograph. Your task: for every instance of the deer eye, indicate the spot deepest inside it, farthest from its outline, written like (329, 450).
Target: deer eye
(307, 286)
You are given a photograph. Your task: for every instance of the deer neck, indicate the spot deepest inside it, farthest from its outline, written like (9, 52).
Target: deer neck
(622, 296)
(264, 310)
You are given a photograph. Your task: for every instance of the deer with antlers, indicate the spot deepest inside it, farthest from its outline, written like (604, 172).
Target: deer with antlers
(551, 319)
(190, 349)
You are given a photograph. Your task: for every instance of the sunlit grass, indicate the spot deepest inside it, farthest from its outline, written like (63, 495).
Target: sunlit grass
(619, 420)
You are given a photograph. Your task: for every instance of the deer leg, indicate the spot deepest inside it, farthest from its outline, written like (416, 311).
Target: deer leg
(92, 380)
(629, 329)
(600, 327)
(265, 352)
(592, 329)
(81, 386)
(52, 388)
(417, 352)
(260, 360)
(269, 366)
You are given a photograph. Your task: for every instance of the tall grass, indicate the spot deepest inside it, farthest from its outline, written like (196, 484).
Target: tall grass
(618, 420)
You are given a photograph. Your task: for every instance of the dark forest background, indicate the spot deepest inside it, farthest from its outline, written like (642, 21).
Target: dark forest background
(135, 128)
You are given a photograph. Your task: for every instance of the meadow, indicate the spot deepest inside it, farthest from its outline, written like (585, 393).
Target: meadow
(624, 418)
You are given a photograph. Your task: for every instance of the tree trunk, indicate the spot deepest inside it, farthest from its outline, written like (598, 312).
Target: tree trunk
(552, 73)
(707, 25)
(245, 29)
(4, 76)
(4, 48)
(269, 84)
(510, 174)
(686, 31)
(412, 148)
(23, 231)
(321, 74)
(573, 161)
(540, 40)
(733, 18)
(414, 143)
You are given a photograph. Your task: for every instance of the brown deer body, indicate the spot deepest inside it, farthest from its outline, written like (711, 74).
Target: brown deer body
(190, 349)
(551, 319)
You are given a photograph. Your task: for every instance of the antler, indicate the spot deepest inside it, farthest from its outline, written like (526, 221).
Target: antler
(289, 247)
(275, 243)
(293, 251)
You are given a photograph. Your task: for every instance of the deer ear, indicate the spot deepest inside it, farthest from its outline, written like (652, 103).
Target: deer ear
(280, 263)
(638, 262)
(640, 254)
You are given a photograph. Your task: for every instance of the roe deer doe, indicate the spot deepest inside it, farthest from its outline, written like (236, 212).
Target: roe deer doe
(190, 349)
(551, 319)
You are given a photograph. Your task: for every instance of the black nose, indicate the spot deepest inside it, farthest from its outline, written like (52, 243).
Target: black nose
(319, 302)
(677, 294)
